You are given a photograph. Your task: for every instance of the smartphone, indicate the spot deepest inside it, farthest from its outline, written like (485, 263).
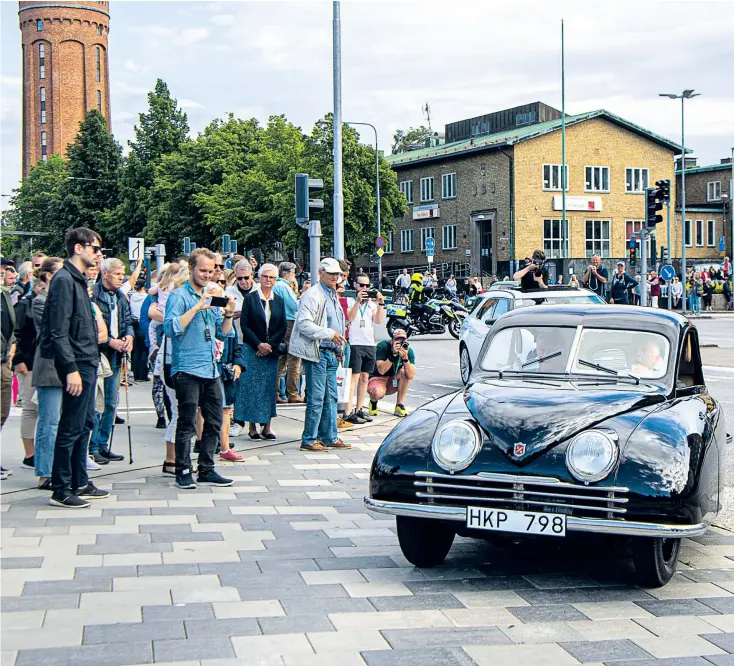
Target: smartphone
(219, 301)
(372, 293)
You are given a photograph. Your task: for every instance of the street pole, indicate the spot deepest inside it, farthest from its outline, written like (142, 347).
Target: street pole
(670, 255)
(683, 198)
(338, 192)
(564, 222)
(731, 205)
(643, 268)
(314, 247)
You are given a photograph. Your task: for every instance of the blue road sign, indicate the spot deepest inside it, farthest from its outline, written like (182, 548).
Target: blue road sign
(430, 243)
(430, 252)
(722, 241)
(667, 272)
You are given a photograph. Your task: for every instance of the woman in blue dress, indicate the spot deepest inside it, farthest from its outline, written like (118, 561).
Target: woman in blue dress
(263, 326)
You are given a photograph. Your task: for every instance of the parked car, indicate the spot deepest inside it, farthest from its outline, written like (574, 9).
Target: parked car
(494, 303)
(575, 419)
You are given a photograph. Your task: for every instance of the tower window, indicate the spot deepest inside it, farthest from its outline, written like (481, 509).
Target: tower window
(42, 61)
(44, 154)
(99, 29)
(99, 64)
(99, 101)
(39, 25)
(43, 105)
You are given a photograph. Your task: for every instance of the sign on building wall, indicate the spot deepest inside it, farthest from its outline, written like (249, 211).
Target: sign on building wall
(426, 212)
(577, 203)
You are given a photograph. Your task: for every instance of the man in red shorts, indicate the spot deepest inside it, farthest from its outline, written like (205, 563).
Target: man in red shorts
(395, 369)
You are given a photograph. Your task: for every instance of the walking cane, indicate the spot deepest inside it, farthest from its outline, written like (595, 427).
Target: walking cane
(112, 432)
(125, 361)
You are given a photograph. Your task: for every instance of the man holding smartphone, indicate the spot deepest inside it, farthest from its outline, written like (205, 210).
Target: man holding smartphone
(196, 324)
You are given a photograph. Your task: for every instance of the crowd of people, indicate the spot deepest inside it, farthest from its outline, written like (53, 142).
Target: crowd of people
(223, 347)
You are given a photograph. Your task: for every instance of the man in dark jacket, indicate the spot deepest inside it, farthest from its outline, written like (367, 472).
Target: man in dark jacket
(116, 313)
(622, 285)
(69, 336)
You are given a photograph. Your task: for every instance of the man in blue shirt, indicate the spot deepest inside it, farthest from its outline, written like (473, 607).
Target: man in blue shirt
(195, 330)
(289, 363)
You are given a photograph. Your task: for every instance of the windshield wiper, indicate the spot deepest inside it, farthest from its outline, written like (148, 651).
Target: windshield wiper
(545, 357)
(602, 368)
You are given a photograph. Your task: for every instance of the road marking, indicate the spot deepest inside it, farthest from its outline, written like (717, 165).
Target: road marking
(718, 368)
(449, 386)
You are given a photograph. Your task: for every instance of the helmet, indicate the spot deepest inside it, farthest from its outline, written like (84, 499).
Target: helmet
(417, 277)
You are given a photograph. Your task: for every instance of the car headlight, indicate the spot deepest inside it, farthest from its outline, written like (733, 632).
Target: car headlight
(455, 445)
(592, 455)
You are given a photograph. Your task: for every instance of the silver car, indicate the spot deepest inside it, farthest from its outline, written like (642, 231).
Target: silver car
(495, 302)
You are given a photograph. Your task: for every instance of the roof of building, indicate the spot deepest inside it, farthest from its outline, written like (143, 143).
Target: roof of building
(704, 169)
(518, 135)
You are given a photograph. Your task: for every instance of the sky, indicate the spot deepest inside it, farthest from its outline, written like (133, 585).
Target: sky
(461, 58)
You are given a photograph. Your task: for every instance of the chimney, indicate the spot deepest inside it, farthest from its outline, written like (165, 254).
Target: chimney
(726, 160)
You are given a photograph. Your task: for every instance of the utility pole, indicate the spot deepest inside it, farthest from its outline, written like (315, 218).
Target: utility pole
(564, 222)
(643, 267)
(337, 132)
(670, 256)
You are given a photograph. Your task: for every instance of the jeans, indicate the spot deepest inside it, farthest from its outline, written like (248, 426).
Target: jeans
(69, 470)
(321, 399)
(103, 423)
(694, 303)
(193, 393)
(49, 413)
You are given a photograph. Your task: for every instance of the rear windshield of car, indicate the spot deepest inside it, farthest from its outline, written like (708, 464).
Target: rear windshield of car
(561, 299)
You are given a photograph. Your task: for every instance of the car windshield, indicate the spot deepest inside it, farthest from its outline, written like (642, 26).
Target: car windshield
(530, 349)
(563, 299)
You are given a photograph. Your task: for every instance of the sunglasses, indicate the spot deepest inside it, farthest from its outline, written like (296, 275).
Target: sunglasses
(220, 266)
(97, 248)
(222, 282)
(363, 285)
(244, 277)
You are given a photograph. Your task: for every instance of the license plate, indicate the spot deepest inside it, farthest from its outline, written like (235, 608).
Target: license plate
(525, 522)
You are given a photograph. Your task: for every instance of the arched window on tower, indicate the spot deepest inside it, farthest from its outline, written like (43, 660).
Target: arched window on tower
(99, 101)
(99, 29)
(99, 64)
(42, 61)
(43, 105)
(39, 25)
(44, 153)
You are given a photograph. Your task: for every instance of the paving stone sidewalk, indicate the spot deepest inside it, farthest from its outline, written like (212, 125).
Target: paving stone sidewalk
(286, 567)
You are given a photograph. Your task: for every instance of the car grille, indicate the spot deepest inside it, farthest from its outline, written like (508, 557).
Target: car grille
(523, 493)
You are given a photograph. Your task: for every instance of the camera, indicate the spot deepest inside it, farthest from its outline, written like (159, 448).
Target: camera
(405, 345)
(372, 293)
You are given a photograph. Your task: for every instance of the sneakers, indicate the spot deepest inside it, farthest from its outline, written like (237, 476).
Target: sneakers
(318, 445)
(400, 410)
(338, 444)
(161, 423)
(185, 480)
(91, 492)
(119, 420)
(98, 458)
(28, 463)
(106, 453)
(235, 430)
(92, 466)
(364, 415)
(356, 419)
(231, 456)
(373, 408)
(4, 473)
(297, 401)
(68, 500)
(341, 424)
(212, 478)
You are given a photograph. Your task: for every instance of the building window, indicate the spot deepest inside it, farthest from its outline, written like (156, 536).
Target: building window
(555, 239)
(638, 225)
(388, 246)
(449, 237)
(711, 233)
(699, 233)
(99, 101)
(524, 118)
(41, 61)
(597, 238)
(552, 177)
(427, 189)
(426, 232)
(44, 154)
(448, 186)
(406, 240)
(99, 29)
(597, 179)
(406, 187)
(636, 180)
(99, 64)
(39, 25)
(689, 237)
(43, 105)
(713, 191)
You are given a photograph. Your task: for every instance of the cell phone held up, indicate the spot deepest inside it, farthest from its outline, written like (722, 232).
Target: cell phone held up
(218, 301)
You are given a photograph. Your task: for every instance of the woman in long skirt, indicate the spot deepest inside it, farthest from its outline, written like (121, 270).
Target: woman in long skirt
(263, 326)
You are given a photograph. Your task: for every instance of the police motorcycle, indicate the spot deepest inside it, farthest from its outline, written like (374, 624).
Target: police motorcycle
(441, 313)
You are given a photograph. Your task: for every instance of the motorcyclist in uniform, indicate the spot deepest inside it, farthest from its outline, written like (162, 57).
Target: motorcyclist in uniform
(417, 298)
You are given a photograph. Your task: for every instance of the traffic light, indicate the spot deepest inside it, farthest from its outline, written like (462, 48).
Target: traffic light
(186, 246)
(304, 203)
(663, 254)
(653, 249)
(652, 206)
(663, 190)
(225, 243)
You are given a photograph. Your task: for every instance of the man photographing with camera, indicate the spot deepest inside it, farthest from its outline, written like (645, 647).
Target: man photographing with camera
(535, 274)
(596, 276)
(394, 372)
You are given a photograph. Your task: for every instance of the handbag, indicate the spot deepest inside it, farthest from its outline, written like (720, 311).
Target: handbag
(167, 376)
(280, 350)
(343, 384)
(105, 369)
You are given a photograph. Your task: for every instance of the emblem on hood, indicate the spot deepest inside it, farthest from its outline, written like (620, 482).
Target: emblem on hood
(519, 449)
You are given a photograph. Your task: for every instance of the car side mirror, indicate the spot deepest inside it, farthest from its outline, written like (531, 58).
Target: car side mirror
(489, 321)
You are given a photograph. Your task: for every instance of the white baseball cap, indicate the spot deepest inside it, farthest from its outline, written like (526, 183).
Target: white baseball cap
(330, 265)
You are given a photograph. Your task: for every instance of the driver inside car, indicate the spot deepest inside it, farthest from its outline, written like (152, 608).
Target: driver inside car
(649, 361)
(547, 343)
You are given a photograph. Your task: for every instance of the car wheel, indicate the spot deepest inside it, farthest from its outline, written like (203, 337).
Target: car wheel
(655, 560)
(464, 364)
(424, 542)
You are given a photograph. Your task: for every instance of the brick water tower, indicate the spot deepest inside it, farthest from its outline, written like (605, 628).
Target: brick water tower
(65, 73)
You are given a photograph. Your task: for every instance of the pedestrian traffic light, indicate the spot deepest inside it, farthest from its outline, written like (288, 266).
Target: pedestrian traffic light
(186, 245)
(652, 206)
(663, 190)
(633, 252)
(304, 203)
(225, 243)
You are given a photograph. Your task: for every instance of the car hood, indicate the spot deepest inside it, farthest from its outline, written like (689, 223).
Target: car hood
(523, 422)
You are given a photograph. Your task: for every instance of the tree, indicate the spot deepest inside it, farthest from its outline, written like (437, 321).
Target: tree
(402, 139)
(92, 191)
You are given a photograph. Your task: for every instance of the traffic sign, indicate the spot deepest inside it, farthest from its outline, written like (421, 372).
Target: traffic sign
(430, 258)
(722, 242)
(135, 248)
(380, 242)
(430, 252)
(380, 252)
(430, 243)
(667, 272)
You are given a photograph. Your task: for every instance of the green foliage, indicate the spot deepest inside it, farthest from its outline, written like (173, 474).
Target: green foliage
(402, 139)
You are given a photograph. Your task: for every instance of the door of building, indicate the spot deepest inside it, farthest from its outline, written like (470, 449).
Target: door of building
(485, 245)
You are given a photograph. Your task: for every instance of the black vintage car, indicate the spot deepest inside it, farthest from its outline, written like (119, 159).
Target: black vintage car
(577, 418)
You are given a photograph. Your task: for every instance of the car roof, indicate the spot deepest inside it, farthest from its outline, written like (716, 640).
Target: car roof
(552, 292)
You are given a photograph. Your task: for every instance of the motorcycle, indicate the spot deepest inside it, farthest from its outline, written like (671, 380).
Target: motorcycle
(444, 313)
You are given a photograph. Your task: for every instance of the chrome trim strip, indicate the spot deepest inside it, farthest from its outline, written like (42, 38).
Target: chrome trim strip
(503, 500)
(539, 493)
(598, 525)
(518, 478)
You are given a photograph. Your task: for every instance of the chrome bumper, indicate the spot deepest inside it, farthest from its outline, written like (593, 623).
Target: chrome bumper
(599, 526)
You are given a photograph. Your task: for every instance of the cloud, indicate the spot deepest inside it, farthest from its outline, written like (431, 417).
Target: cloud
(163, 36)
(189, 104)
(131, 66)
(223, 19)
(15, 81)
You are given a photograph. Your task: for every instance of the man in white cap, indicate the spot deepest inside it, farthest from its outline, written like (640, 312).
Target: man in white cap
(622, 285)
(318, 339)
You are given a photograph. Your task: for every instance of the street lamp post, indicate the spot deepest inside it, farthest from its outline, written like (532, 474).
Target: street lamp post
(377, 194)
(338, 191)
(686, 94)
